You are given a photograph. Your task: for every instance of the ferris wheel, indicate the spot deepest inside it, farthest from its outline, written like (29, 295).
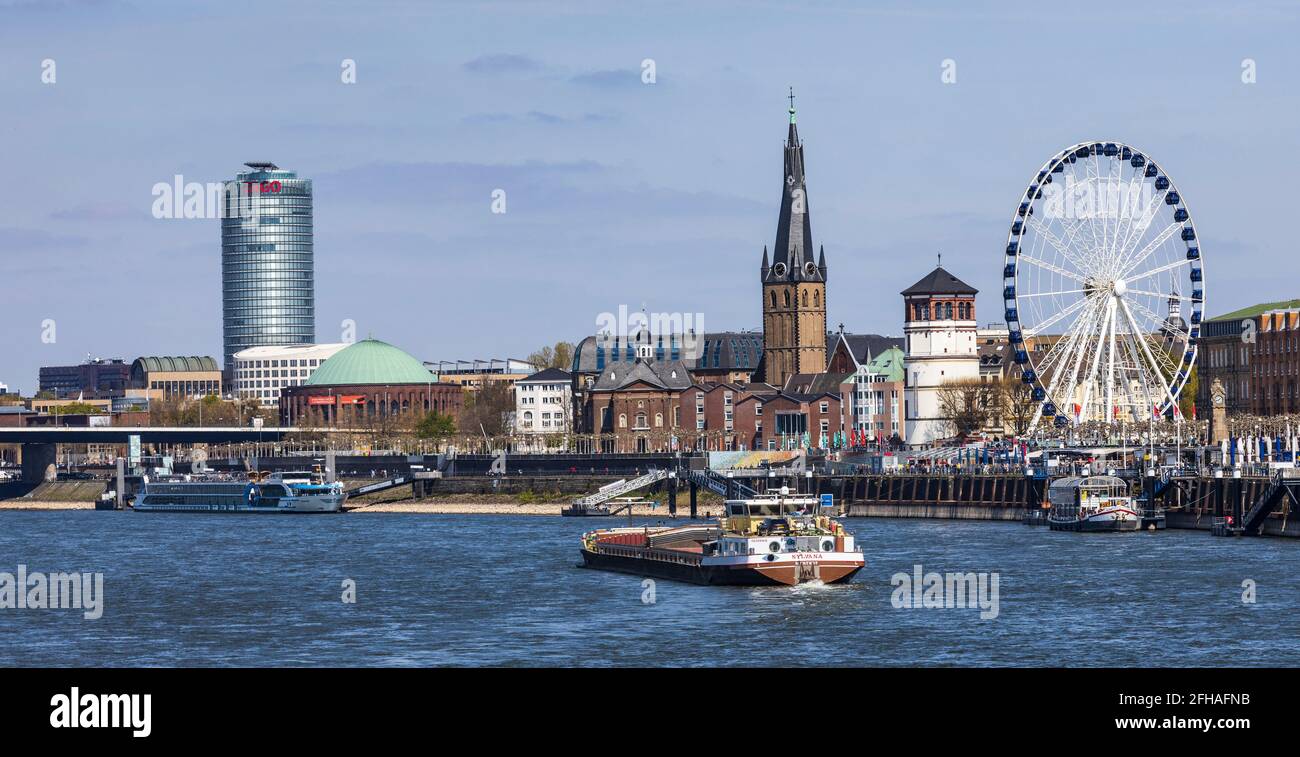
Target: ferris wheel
(1103, 287)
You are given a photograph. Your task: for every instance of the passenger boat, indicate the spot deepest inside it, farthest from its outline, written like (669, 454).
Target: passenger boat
(777, 538)
(293, 492)
(1091, 503)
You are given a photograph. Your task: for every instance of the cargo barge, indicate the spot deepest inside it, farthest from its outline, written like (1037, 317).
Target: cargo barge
(771, 539)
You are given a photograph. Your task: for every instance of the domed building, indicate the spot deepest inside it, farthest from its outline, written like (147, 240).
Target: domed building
(365, 381)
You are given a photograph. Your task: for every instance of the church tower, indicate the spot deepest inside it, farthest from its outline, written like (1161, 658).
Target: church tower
(794, 285)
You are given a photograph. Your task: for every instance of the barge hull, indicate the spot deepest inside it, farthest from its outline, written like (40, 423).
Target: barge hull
(787, 575)
(1095, 526)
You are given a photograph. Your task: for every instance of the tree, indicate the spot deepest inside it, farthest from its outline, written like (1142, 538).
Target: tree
(1017, 404)
(486, 408)
(1187, 400)
(967, 404)
(76, 408)
(560, 356)
(435, 426)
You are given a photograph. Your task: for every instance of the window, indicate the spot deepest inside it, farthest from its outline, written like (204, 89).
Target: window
(622, 420)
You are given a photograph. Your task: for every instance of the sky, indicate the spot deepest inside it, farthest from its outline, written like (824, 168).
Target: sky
(618, 192)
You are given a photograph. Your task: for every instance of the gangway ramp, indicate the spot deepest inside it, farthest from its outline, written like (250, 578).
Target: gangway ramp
(608, 492)
(390, 483)
(719, 484)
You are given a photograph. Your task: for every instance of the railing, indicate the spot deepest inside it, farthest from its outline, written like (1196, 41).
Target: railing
(719, 484)
(627, 486)
(1262, 506)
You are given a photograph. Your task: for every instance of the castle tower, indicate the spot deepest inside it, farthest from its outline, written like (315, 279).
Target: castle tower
(939, 327)
(794, 285)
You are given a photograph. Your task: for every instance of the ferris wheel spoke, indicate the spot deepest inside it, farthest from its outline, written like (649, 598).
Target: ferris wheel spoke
(1183, 335)
(1057, 292)
(1144, 223)
(1161, 269)
(1096, 358)
(1065, 346)
(1146, 351)
(1052, 267)
(1060, 314)
(1164, 295)
(1058, 243)
(1152, 246)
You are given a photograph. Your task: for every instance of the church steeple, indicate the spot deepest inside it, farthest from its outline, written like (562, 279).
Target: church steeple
(794, 281)
(792, 257)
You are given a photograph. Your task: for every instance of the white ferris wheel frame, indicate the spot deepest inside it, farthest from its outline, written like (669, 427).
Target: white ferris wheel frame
(1115, 350)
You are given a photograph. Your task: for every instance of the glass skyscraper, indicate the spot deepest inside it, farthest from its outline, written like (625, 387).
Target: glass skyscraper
(268, 288)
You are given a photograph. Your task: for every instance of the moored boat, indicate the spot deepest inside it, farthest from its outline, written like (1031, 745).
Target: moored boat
(1091, 503)
(777, 538)
(293, 492)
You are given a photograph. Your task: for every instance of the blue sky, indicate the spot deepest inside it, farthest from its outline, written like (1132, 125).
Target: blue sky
(618, 192)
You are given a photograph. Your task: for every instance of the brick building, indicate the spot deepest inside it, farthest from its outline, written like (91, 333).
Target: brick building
(1255, 353)
(368, 383)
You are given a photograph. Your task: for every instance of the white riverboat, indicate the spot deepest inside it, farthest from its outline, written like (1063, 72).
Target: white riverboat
(1091, 503)
(292, 492)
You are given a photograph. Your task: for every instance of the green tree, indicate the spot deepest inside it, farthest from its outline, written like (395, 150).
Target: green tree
(435, 426)
(76, 408)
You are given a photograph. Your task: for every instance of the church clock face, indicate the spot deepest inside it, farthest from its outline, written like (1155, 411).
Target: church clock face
(810, 268)
(779, 269)
(1217, 400)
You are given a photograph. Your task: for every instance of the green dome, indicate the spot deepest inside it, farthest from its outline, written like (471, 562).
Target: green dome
(370, 361)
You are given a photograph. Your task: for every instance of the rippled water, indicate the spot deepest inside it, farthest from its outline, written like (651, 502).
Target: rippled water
(504, 590)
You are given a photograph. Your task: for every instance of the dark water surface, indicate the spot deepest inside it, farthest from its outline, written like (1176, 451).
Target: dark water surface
(217, 590)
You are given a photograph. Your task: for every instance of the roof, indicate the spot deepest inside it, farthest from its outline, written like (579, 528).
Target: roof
(1256, 310)
(713, 351)
(888, 362)
(939, 281)
(865, 347)
(803, 384)
(548, 374)
(176, 364)
(370, 361)
(666, 374)
(289, 351)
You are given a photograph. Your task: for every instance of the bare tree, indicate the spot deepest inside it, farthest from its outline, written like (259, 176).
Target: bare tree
(1017, 405)
(967, 404)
